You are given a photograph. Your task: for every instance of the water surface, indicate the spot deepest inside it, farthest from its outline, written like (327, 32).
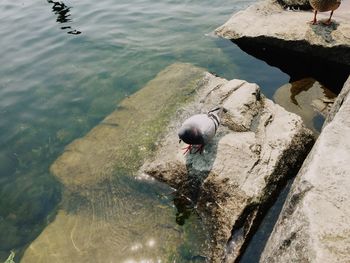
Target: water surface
(66, 65)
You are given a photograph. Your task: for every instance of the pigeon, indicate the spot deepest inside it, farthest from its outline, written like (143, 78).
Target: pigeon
(199, 129)
(324, 6)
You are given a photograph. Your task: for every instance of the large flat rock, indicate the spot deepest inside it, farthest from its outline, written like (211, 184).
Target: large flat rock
(314, 225)
(269, 22)
(257, 147)
(107, 214)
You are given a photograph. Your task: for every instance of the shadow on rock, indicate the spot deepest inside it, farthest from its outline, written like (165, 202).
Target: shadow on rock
(188, 192)
(325, 31)
(299, 65)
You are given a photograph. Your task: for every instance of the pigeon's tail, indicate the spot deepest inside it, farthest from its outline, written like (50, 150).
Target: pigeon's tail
(216, 115)
(219, 111)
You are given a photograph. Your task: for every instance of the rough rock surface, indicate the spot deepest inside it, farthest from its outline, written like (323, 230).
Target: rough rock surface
(268, 22)
(258, 146)
(338, 102)
(314, 225)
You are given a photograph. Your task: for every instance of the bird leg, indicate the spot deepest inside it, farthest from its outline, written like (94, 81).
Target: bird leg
(329, 21)
(187, 149)
(314, 21)
(200, 149)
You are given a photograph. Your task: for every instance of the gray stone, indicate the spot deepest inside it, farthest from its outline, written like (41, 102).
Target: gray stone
(314, 225)
(256, 148)
(338, 102)
(268, 22)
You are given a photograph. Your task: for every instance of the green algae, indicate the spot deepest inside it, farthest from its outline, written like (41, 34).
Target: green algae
(10, 258)
(128, 135)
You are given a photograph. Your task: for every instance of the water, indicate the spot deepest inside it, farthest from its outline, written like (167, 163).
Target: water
(66, 66)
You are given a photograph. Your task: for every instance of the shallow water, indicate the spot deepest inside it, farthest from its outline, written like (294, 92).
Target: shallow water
(66, 66)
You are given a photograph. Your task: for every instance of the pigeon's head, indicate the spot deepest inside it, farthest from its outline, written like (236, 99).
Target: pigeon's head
(190, 135)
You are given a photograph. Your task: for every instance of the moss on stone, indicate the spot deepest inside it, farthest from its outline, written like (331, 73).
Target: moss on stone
(129, 134)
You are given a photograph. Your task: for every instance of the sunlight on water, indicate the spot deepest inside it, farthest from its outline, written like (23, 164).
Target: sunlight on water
(66, 65)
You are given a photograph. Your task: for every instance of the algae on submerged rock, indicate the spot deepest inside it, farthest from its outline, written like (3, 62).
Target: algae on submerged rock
(108, 213)
(127, 135)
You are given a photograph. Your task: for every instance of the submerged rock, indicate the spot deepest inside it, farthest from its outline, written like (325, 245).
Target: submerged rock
(106, 213)
(267, 22)
(307, 98)
(126, 136)
(314, 223)
(256, 149)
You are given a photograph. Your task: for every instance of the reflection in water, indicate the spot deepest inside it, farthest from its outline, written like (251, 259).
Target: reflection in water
(307, 98)
(299, 65)
(62, 12)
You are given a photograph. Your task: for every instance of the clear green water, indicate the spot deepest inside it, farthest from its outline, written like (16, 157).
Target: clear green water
(56, 84)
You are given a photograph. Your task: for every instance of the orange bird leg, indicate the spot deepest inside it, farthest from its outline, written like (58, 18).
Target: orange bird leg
(187, 149)
(200, 149)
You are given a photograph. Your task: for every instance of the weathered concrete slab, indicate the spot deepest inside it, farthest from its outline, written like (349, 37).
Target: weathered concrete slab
(257, 147)
(268, 22)
(314, 225)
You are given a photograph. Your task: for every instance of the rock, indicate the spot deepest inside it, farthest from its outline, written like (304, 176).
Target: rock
(257, 147)
(268, 23)
(294, 4)
(307, 98)
(338, 102)
(314, 223)
(107, 214)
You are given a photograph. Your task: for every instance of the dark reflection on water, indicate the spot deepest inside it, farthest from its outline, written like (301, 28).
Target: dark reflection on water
(63, 15)
(298, 65)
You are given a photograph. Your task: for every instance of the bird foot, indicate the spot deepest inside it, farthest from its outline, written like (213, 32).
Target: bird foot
(327, 22)
(189, 148)
(313, 22)
(200, 149)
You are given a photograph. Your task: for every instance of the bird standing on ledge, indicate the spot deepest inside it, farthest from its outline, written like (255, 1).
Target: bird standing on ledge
(199, 129)
(324, 6)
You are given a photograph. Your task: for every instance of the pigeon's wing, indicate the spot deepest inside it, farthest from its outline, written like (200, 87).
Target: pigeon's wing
(206, 124)
(207, 127)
